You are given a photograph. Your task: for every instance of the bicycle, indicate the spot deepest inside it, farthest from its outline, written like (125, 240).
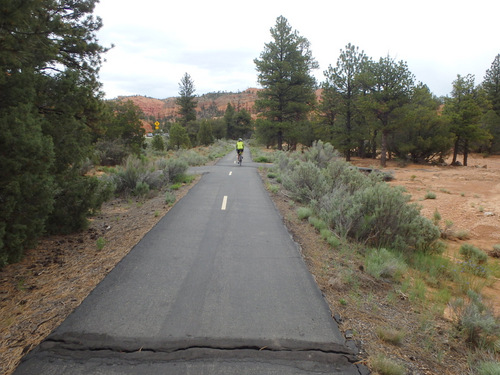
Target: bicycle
(240, 157)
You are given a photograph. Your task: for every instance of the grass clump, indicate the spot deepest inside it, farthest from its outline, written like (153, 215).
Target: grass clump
(430, 195)
(489, 368)
(476, 321)
(317, 223)
(386, 366)
(101, 242)
(304, 213)
(495, 253)
(473, 253)
(382, 263)
(390, 335)
(170, 197)
(273, 188)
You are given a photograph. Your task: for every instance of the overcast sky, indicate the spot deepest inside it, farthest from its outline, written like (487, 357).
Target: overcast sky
(216, 41)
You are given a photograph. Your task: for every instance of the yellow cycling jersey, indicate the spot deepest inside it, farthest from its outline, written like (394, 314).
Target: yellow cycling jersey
(240, 145)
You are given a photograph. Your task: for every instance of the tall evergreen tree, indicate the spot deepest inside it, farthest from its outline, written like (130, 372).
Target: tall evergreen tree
(423, 135)
(390, 85)
(124, 122)
(491, 84)
(284, 72)
(491, 119)
(341, 91)
(178, 137)
(230, 121)
(464, 111)
(49, 60)
(186, 100)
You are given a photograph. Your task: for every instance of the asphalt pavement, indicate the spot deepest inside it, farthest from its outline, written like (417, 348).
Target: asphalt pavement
(218, 286)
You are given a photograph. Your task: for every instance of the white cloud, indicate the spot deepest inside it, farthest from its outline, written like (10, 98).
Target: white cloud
(217, 41)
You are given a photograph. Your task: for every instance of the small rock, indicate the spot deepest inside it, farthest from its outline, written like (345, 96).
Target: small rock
(348, 334)
(337, 318)
(489, 214)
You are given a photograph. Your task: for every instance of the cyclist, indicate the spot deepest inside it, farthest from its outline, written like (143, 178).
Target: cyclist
(240, 146)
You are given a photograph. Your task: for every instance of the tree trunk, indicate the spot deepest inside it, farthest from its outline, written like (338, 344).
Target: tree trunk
(466, 152)
(383, 149)
(455, 151)
(349, 131)
(374, 144)
(280, 140)
(361, 149)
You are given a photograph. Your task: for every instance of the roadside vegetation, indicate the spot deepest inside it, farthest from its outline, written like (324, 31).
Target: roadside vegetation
(368, 223)
(66, 151)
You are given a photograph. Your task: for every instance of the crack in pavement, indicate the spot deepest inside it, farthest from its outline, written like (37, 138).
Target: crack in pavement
(303, 355)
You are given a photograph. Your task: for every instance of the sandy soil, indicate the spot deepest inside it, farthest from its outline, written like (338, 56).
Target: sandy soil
(37, 294)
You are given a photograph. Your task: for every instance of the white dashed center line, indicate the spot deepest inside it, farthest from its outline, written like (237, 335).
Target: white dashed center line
(224, 203)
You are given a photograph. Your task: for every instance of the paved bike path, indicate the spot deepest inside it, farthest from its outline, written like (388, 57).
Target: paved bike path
(217, 286)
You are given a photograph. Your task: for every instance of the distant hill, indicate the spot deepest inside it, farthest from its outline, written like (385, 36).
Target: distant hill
(209, 105)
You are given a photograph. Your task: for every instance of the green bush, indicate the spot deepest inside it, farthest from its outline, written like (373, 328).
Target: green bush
(476, 321)
(157, 143)
(26, 185)
(262, 159)
(111, 152)
(135, 174)
(472, 253)
(321, 154)
(76, 198)
(333, 241)
(128, 175)
(386, 264)
(175, 168)
(489, 368)
(356, 205)
(304, 212)
(205, 136)
(170, 197)
(141, 189)
(430, 195)
(305, 182)
(192, 157)
(317, 223)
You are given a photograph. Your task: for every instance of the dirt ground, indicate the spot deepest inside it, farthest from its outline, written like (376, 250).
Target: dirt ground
(37, 294)
(467, 196)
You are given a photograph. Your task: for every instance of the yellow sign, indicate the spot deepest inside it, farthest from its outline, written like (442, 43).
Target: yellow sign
(157, 125)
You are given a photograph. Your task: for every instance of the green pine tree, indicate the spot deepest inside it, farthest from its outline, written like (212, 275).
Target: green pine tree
(284, 72)
(205, 136)
(179, 137)
(187, 100)
(340, 103)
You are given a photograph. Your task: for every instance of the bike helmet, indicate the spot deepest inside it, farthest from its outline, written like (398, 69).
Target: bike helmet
(240, 139)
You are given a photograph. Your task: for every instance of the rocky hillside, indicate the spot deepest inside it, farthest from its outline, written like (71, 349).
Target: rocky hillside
(209, 105)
